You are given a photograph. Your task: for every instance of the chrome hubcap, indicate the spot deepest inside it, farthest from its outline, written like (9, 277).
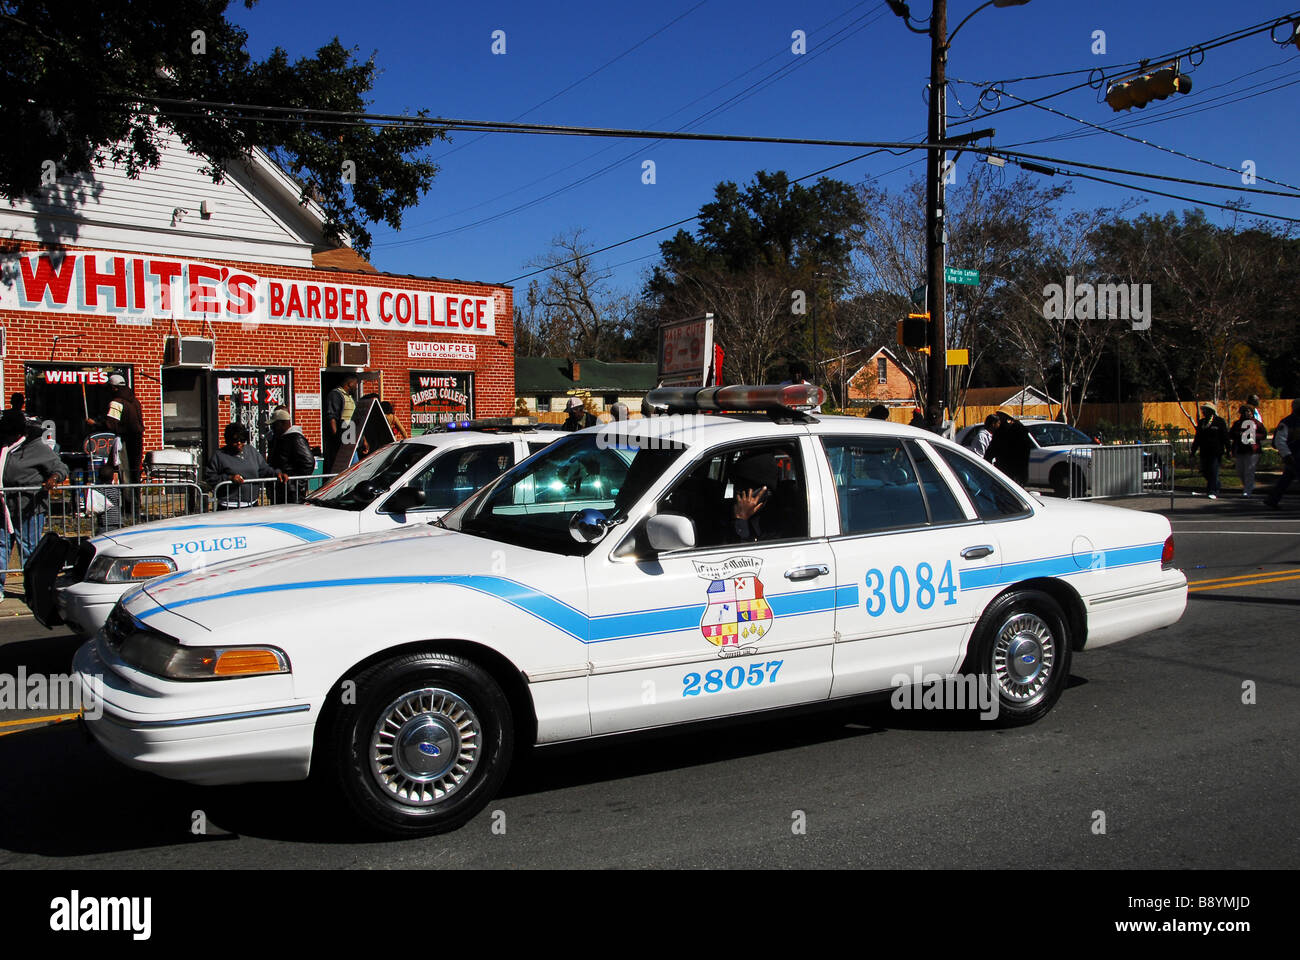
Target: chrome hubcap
(425, 746)
(1023, 657)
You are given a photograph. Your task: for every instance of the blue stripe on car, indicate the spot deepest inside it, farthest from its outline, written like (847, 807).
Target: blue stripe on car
(305, 534)
(618, 626)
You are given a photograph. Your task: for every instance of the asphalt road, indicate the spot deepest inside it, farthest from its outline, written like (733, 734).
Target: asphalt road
(1153, 733)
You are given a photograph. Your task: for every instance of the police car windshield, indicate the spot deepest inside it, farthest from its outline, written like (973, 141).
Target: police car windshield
(531, 505)
(361, 483)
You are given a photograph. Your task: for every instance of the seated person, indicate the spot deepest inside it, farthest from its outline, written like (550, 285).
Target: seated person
(754, 479)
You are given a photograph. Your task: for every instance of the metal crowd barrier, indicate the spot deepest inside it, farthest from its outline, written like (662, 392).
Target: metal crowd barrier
(264, 491)
(1111, 471)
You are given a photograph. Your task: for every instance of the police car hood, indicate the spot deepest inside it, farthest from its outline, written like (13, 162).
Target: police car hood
(282, 526)
(352, 572)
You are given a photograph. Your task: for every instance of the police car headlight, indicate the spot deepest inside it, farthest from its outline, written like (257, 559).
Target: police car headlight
(128, 569)
(164, 657)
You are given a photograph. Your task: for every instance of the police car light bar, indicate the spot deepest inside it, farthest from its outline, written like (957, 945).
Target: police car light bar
(793, 396)
(494, 423)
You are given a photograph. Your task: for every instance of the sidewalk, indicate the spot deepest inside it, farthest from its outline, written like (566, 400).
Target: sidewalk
(1227, 506)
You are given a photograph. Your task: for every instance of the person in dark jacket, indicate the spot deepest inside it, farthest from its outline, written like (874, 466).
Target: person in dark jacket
(237, 462)
(290, 455)
(1010, 447)
(1286, 438)
(1211, 442)
(26, 460)
(1246, 446)
(577, 417)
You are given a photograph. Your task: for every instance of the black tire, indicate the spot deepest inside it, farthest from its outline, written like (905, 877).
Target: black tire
(435, 703)
(1060, 480)
(1018, 625)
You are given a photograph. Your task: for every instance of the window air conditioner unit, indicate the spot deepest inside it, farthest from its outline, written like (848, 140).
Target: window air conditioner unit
(342, 354)
(189, 352)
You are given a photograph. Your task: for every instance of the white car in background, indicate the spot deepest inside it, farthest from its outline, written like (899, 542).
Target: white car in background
(608, 585)
(414, 481)
(1051, 463)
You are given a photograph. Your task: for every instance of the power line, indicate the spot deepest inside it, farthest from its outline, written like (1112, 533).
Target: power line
(587, 178)
(1148, 143)
(581, 80)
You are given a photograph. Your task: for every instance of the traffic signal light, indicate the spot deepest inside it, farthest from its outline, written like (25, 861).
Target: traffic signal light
(1141, 89)
(914, 332)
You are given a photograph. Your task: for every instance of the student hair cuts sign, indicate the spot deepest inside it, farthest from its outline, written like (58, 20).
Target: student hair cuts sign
(438, 398)
(138, 289)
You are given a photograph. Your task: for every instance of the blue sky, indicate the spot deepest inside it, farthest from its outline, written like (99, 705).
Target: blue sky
(862, 78)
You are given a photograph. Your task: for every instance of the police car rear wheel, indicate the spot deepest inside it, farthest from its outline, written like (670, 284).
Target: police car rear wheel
(427, 745)
(1021, 647)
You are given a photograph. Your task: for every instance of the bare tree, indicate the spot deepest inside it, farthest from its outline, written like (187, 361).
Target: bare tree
(576, 312)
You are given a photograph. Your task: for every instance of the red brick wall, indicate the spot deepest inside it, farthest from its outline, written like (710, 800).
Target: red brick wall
(30, 338)
(866, 386)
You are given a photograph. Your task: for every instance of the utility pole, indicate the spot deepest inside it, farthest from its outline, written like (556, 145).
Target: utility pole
(935, 224)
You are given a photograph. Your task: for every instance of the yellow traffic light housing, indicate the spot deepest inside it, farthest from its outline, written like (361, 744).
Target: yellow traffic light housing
(1141, 89)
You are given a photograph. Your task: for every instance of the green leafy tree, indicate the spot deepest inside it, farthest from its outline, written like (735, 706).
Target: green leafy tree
(85, 83)
(753, 262)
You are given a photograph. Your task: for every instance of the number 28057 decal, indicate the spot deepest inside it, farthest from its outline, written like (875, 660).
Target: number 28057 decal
(901, 592)
(715, 681)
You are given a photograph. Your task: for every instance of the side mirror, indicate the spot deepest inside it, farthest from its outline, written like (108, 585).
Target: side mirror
(670, 531)
(404, 499)
(588, 526)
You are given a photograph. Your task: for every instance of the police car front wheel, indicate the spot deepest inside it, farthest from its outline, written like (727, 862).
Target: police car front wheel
(426, 746)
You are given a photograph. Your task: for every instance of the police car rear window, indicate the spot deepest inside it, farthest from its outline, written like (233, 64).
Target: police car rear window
(993, 499)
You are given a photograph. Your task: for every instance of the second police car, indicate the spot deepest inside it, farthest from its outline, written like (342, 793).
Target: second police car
(414, 481)
(629, 576)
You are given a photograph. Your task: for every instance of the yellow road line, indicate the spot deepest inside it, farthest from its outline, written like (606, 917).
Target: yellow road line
(1245, 576)
(52, 718)
(1243, 583)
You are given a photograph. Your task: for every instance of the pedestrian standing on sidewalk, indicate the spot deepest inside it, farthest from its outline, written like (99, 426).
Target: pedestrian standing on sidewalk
(25, 461)
(1286, 438)
(1246, 445)
(1211, 442)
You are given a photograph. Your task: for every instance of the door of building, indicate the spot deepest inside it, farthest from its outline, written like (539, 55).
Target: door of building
(250, 395)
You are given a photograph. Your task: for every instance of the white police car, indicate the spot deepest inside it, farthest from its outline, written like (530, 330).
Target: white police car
(414, 481)
(607, 585)
(1061, 450)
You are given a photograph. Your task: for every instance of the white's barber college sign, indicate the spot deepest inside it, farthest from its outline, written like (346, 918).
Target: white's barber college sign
(137, 289)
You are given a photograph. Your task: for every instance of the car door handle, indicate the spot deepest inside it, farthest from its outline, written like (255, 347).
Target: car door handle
(976, 553)
(808, 573)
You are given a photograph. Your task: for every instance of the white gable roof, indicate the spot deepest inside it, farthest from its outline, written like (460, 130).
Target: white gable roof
(254, 213)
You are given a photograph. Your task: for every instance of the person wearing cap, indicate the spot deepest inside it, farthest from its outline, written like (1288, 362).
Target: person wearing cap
(1211, 442)
(289, 455)
(618, 412)
(577, 416)
(125, 419)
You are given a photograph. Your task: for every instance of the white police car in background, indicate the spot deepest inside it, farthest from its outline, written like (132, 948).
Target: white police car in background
(605, 585)
(414, 481)
(1051, 461)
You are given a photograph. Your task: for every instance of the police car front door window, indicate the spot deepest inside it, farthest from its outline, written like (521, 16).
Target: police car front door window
(456, 474)
(991, 497)
(706, 495)
(939, 498)
(532, 504)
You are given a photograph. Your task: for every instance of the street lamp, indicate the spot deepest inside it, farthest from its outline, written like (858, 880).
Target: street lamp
(936, 235)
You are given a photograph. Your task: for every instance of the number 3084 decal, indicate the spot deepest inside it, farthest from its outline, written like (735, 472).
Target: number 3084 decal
(715, 681)
(901, 592)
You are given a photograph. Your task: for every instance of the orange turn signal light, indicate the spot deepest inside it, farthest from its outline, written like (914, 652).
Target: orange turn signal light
(150, 568)
(233, 663)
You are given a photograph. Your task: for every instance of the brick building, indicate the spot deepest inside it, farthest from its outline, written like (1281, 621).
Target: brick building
(218, 302)
(882, 379)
